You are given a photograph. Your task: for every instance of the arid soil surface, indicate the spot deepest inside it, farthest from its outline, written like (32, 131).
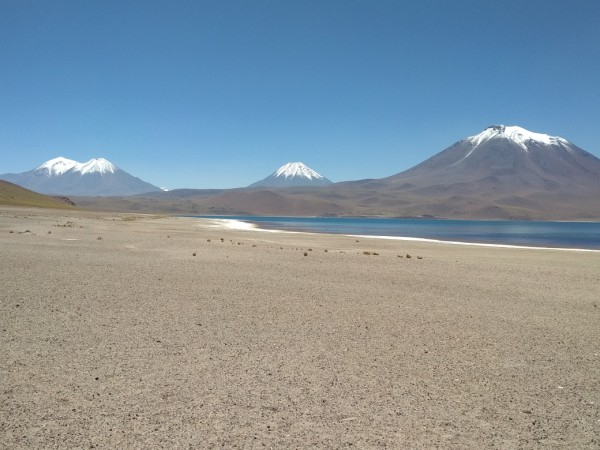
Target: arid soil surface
(122, 331)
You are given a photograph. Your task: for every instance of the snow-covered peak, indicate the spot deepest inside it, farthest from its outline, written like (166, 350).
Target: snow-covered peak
(297, 169)
(56, 166)
(516, 134)
(99, 165)
(60, 166)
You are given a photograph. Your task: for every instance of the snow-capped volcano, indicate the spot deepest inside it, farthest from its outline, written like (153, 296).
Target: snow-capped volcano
(504, 171)
(96, 177)
(519, 135)
(501, 150)
(293, 174)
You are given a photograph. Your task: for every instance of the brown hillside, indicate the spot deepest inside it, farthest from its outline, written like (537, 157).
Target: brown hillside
(14, 195)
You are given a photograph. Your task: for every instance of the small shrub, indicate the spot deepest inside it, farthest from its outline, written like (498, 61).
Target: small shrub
(69, 224)
(208, 240)
(408, 256)
(305, 253)
(194, 254)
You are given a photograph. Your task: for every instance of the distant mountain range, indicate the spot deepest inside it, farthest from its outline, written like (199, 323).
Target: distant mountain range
(97, 177)
(504, 172)
(292, 174)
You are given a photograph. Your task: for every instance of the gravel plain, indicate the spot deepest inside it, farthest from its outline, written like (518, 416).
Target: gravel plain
(141, 331)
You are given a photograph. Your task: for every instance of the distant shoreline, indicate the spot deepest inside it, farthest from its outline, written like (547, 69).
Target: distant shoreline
(249, 224)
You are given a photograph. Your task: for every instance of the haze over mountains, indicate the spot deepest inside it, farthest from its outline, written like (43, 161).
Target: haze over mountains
(97, 177)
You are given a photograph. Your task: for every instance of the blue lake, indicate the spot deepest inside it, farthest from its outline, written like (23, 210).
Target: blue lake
(581, 235)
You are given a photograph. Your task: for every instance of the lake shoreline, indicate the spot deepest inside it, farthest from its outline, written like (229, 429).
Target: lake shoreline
(286, 224)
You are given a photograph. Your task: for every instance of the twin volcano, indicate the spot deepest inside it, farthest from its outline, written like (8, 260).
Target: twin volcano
(96, 177)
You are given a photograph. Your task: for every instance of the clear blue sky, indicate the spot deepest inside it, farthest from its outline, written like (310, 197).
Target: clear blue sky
(217, 94)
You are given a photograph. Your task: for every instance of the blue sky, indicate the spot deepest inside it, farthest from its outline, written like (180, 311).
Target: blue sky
(218, 94)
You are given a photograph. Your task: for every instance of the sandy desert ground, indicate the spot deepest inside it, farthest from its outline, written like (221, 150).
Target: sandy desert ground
(122, 331)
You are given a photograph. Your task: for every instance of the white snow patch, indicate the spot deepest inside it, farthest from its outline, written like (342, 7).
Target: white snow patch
(297, 169)
(516, 134)
(99, 165)
(60, 166)
(57, 166)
